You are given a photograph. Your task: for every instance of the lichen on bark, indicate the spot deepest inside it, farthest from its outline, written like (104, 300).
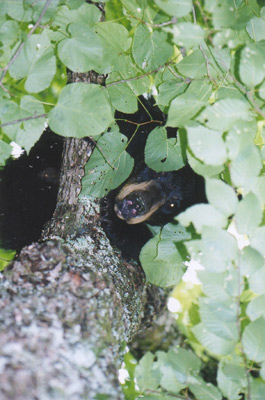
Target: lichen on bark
(70, 303)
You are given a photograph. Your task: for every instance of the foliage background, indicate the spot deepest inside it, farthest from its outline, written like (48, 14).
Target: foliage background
(204, 63)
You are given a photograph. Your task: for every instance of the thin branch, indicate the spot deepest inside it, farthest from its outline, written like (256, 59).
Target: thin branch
(136, 77)
(130, 122)
(248, 94)
(18, 51)
(248, 394)
(207, 65)
(203, 52)
(172, 21)
(140, 124)
(176, 396)
(194, 15)
(224, 68)
(17, 121)
(186, 80)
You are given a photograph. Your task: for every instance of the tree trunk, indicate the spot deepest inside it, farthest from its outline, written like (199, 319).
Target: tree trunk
(69, 304)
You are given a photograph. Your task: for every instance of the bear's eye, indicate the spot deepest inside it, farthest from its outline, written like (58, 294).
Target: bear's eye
(169, 208)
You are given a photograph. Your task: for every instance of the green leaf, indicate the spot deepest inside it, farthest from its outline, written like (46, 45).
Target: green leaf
(248, 214)
(207, 171)
(108, 166)
(257, 389)
(205, 391)
(150, 49)
(161, 262)
(83, 51)
(133, 6)
(37, 8)
(114, 35)
(187, 34)
(174, 232)
(230, 38)
(219, 285)
(16, 10)
(201, 215)
(241, 135)
(257, 240)
(177, 368)
(261, 90)
(207, 145)
(213, 343)
(213, 284)
(257, 186)
(9, 32)
(251, 67)
(36, 63)
(250, 261)
(231, 16)
(219, 248)
(256, 308)
(87, 14)
(224, 113)
(82, 110)
(246, 165)
(219, 318)
(155, 396)
(193, 66)
(221, 196)
(231, 378)
(257, 281)
(184, 107)
(256, 29)
(146, 376)
(5, 152)
(123, 95)
(25, 133)
(116, 41)
(161, 153)
(253, 340)
(170, 89)
(175, 8)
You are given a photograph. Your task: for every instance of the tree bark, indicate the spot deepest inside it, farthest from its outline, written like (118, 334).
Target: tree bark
(69, 304)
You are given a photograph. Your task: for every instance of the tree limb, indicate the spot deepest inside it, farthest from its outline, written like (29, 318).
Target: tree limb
(70, 303)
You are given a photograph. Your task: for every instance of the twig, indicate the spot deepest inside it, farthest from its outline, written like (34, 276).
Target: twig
(194, 15)
(225, 68)
(136, 77)
(207, 65)
(248, 394)
(176, 396)
(187, 80)
(248, 94)
(203, 52)
(172, 21)
(17, 121)
(18, 51)
(205, 18)
(141, 123)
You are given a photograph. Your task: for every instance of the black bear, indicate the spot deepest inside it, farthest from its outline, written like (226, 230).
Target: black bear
(148, 196)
